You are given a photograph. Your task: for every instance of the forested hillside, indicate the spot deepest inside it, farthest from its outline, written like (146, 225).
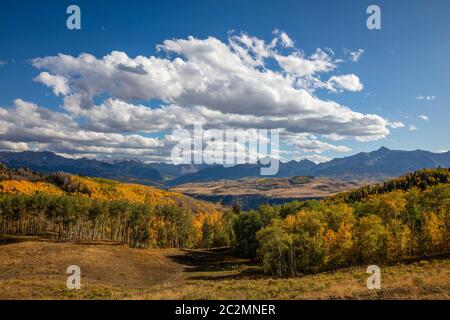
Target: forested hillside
(421, 179)
(71, 207)
(406, 218)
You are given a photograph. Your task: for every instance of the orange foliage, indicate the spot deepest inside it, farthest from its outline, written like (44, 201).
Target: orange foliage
(27, 187)
(103, 189)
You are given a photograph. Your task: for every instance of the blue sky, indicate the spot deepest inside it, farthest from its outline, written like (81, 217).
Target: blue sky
(408, 58)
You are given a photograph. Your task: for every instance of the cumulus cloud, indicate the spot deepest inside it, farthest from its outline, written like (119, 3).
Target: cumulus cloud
(349, 82)
(57, 83)
(423, 117)
(283, 38)
(13, 146)
(334, 137)
(118, 116)
(26, 126)
(308, 143)
(211, 74)
(286, 41)
(299, 65)
(223, 84)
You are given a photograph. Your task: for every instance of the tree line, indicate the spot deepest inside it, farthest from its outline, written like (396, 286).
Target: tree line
(69, 207)
(68, 218)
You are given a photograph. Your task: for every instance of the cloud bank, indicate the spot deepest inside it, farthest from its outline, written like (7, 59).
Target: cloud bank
(244, 82)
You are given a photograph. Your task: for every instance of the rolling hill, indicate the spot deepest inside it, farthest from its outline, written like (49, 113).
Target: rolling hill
(70, 207)
(33, 268)
(250, 193)
(24, 181)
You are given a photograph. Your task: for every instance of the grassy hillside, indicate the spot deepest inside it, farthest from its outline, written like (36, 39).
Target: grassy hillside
(31, 269)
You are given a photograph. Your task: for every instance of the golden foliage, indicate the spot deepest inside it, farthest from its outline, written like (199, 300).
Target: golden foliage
(106, 192)
(27, 187)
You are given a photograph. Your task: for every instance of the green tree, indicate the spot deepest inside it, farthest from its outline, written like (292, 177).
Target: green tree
(371, 238)
(276, 251)
(207, 235)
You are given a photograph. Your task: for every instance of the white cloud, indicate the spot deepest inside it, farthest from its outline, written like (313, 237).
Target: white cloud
(27, 125)
(58, 83)
(217, 77)
(118, 116)
(224, 84)
(334, 137)
(424, 117)
(13, 146)
(286, 41)
(299, 65)
(317, 158)
(427, 98)
(396, 124)
(306, 143)
(354, 56)
(413, 127)
(282, 38)
(348, 82)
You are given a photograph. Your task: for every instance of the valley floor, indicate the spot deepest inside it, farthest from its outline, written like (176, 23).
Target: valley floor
(33, 268)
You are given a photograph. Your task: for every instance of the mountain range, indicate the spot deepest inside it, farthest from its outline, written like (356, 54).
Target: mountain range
(379, 163)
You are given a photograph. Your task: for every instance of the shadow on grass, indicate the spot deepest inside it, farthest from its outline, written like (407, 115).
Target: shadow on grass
(6, 239)
(11, 239)
(217, 264)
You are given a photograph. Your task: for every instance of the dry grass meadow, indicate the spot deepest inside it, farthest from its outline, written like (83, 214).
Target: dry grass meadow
(294, 187)
(33, 268)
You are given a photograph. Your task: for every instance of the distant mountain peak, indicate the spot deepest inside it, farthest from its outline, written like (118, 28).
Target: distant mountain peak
(306, 161)
(383, 149)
